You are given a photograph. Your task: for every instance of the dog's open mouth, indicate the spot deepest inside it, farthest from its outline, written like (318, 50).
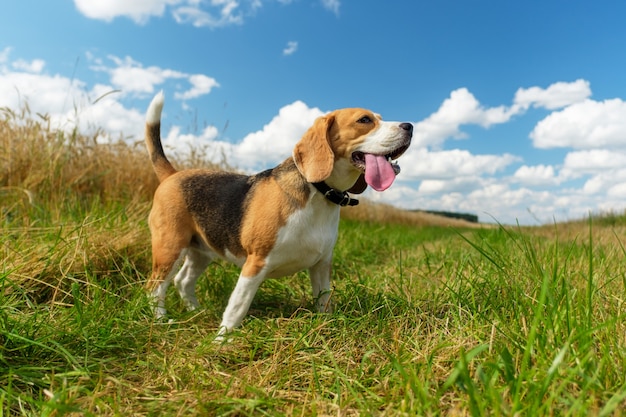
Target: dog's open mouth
(380, 170)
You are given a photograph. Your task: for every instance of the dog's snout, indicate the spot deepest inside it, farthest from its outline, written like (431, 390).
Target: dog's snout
(407, 126)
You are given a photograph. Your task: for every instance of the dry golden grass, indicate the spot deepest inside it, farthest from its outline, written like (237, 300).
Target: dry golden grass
(48, 164)
(38, 163)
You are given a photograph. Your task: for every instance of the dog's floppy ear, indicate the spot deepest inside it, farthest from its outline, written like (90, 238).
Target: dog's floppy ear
(313, 155)
(359, 186)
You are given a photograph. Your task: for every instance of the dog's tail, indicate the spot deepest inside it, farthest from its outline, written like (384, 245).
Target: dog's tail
(162, 167)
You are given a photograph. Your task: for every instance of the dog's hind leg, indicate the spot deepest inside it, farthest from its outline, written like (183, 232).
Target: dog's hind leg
(168, 251)
(185, 281)
(157, 286)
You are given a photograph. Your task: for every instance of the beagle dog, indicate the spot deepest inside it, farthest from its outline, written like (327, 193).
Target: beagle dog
(271, 224)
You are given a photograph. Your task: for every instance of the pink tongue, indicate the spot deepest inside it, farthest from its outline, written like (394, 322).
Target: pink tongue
(379, 173)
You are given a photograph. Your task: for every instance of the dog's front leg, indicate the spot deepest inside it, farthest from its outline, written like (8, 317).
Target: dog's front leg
(320, 282)
(251, 277)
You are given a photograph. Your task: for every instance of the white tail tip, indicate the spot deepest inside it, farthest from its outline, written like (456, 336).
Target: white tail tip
(153, 115)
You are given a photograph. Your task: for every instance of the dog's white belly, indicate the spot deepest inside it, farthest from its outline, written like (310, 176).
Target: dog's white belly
(309, 236)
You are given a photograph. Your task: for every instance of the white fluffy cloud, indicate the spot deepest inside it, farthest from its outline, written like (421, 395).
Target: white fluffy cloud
(212, 14)
(108, 114)
(421, 163)
(130, 76)
(291, 48)
(587, 124)
(140, 11)
(461, 108)
(70, 102)
(272, 144)
(67, 103)
(604, 169)
(536, 175)
(605, 183)
(35, 66)
(450, 186)
(594, 160)
(557, 95)
(179, 144)
(200, 85)
(222, 13)
(45, 94)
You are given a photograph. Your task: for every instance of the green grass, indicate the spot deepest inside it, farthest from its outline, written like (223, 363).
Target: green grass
(429, 320)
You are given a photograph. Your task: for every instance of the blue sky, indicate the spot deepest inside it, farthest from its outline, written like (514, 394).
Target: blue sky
(519, 107)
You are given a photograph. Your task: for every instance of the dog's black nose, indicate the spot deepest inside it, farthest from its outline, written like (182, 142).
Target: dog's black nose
(407, 126)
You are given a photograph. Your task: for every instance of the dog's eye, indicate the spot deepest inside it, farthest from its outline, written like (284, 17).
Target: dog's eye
(364, 119)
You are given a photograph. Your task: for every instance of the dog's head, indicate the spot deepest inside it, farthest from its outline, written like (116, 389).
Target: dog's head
(351, 149)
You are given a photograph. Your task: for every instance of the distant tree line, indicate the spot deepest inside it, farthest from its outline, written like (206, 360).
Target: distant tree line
(463, 216)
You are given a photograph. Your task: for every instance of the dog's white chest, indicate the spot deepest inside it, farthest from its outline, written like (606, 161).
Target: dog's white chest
(309, 235)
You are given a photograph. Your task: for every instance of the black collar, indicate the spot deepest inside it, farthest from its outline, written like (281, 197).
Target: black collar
(341, 198)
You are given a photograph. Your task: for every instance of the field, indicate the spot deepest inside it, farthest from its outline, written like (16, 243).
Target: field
(433, 316)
